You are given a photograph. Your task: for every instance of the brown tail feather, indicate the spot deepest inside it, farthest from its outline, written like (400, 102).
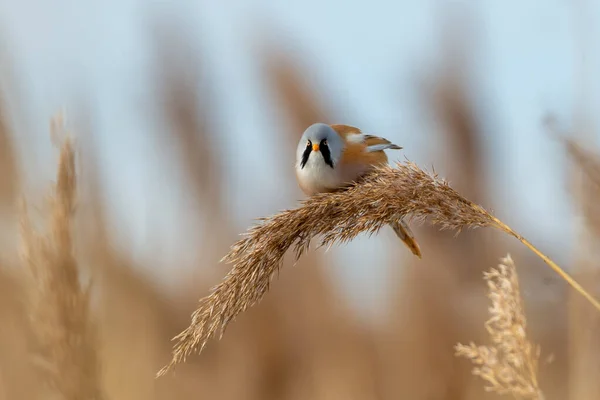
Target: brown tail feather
(405, 234)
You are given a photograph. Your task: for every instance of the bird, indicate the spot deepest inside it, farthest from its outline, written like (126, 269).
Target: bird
(330, 157)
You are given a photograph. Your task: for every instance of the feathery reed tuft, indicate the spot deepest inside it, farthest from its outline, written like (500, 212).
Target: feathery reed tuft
(63, 338)
(378, 199)
(510, 364)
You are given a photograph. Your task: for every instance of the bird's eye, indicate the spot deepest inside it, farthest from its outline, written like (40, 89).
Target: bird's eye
(308, 143)
(324, 142)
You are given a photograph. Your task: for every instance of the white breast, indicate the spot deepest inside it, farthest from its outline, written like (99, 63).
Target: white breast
(317, 176)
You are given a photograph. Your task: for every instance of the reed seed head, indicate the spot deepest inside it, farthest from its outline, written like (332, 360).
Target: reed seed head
(365, 207)
(510, 363)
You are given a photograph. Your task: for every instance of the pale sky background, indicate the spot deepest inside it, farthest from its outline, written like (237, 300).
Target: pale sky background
(527, 58)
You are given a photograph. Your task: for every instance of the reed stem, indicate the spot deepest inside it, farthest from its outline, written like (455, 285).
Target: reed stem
(568, 278)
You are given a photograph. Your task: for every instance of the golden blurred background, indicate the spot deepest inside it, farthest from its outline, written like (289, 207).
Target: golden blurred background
(157, 208)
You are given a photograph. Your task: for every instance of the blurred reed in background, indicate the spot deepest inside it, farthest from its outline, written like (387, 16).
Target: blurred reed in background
(302, 341)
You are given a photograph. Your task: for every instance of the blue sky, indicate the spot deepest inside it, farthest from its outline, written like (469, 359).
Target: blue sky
(527, 58)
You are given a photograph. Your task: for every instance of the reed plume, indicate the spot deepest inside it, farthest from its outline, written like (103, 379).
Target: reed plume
(379, 198)
(63, 341)
(510, 364)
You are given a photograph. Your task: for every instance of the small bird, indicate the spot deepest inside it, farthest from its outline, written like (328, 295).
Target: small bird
(331, 157)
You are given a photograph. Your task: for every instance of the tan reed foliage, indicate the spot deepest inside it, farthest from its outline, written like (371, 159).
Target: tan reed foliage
(381, 197)
(63, 337)
(510, 364)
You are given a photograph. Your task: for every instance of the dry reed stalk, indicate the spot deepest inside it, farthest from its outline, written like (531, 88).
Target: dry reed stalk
(510, 364)
(450, 101)
(378, 199)
(452, 105)
(427, 320)
(132, 316)
(341, 363)
(587, 161)
(184, 110)
(303, 104)
(584, 323)
(15, 368)
(63, 337)
(432, 298)
(8, 164)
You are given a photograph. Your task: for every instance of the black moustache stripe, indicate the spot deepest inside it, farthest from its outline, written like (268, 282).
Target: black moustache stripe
(326, 154)
(305, 155)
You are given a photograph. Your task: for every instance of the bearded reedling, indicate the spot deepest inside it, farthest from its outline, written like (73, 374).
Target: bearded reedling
(331, 157)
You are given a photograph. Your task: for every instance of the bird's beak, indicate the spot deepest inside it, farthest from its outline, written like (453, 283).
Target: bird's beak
(315, 147)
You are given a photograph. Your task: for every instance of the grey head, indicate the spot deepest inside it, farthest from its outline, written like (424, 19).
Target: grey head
(320, 144)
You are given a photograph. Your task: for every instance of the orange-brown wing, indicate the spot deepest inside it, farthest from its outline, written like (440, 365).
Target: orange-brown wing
(355, 153)
(371, 140)
(362, 148)
(355, 135)
(345, 130)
